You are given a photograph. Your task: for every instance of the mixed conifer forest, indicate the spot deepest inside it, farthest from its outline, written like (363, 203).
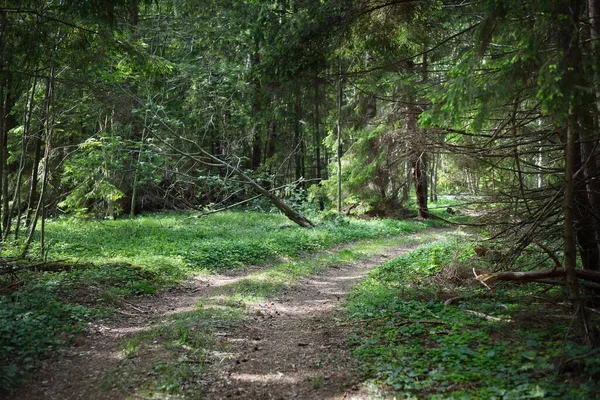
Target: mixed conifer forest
(337, 199)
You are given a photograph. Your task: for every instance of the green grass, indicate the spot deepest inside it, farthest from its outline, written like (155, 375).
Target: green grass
(412, 346)
(176, 243)
(107, 261)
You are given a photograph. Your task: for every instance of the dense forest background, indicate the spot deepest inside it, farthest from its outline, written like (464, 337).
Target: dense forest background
(114, 108)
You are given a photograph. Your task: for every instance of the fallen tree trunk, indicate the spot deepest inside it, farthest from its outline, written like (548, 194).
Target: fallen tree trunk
(587, 275)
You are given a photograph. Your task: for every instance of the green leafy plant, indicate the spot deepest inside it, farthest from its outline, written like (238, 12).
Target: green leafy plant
(412, 344)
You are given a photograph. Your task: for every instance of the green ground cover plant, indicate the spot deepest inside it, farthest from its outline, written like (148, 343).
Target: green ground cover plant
(515, 342)
(104, 262)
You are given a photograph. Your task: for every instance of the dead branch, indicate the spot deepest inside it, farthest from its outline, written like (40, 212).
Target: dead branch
(487, 317)
(550, 253)
(530, 276)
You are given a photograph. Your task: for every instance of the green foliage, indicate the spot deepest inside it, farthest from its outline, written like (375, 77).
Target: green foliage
(425, 261)
(33, 323)
(181, 242)
(414, 346)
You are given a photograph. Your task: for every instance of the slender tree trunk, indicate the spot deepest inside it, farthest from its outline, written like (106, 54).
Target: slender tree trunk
(407, 181)
(48, 130)
(4, 114)
(317, 131)
(569, 42)
(298, 139)
(26, 133)
(326, 159)
(9, 123)
(37, 146)
(134, 187)
(420, 179)
(433, 177)
(594, 17)
(16, 203)
(256, 110)
(107, 161)
(540, 165)
(272, 139)
(569, 216)
(4, 95)
(418, 157)
(339, 141)
(2, 131)
(419, 167)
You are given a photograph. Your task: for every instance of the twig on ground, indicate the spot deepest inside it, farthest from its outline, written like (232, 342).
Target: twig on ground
(487, 317)
(130, 304)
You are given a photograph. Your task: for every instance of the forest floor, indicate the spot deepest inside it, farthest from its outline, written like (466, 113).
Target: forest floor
(206, 339)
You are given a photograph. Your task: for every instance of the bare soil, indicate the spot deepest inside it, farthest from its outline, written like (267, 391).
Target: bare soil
(293, 346)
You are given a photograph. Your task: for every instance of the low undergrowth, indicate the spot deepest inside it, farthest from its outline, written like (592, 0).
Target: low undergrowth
(516, 342)
(104, 262)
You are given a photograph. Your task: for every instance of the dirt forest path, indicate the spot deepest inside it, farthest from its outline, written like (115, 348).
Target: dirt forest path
(291, 346)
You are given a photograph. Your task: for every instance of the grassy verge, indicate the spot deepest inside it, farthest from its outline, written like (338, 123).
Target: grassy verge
(104, 262)
(190, 336)
(515, 343)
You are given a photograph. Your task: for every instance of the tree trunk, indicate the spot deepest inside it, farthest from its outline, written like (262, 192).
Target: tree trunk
(48, 130)
(16, 202)
(569, 43)
(298, 139)
(418, 158)
(594, 16)
(590, 140)
(272, 139)
(9, 123)
(339, 141)
(568, 211)
(2, 132)
(317, 132)
(37, 145)
(4, 112)
(256, 109)
(134, 186)
(586, 208)
(420, 179)
(433, 177)
(591, 276)
(26, 133)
